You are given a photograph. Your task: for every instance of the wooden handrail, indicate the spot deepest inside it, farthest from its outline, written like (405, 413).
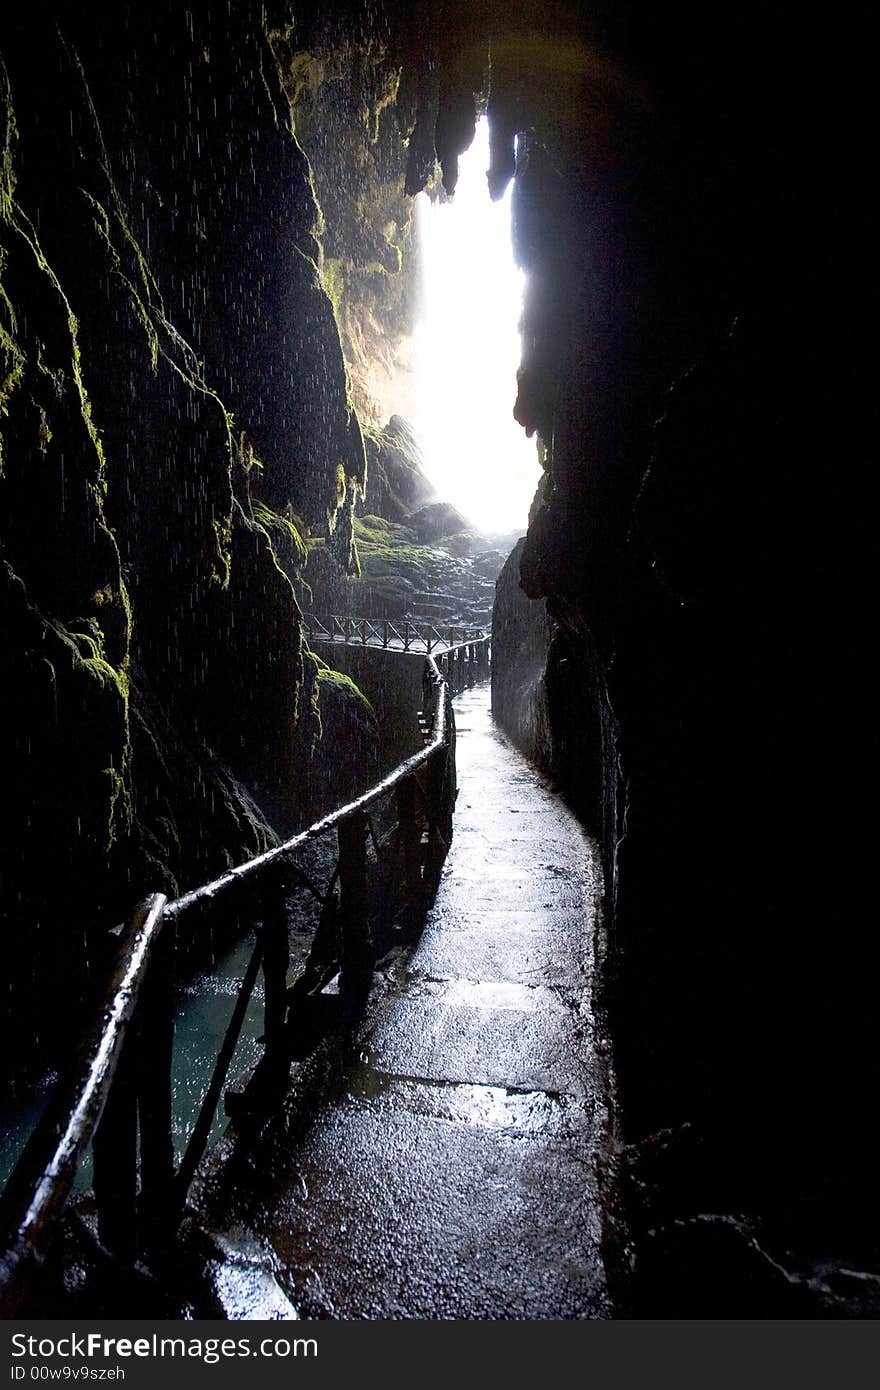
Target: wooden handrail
(252, 867)
(40, 1185)
(362, 631)
(75, 1109)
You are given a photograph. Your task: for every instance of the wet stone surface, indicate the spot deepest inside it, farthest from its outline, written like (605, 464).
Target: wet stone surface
(478, 1210)
(452, 1170)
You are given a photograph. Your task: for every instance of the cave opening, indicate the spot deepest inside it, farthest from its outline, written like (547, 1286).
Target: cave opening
(467, 350)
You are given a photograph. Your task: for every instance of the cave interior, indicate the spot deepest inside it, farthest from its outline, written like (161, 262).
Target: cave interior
(208, 277)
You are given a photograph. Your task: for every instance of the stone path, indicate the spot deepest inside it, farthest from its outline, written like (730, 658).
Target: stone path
(454, 1171)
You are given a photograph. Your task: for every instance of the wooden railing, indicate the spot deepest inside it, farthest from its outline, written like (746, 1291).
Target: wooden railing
(382, 632)
(118, 1094)
(463, 654)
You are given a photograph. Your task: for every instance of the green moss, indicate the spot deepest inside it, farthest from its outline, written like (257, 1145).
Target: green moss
(340, 483)
(343, 102)
(333, 276)
(389, 550)
(341, 683)
(287, 539)
(121, 812)
(21, 224)
(310, 666)
(464, 543)
(14, 217)
(220, 571)
(11, 356)
(10, 137)
(376, 531)
(83, 653)
(87, 655)
(141, 301)
(307, 72)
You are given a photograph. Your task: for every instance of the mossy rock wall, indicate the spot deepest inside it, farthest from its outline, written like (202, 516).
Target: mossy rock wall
(342, 77)
(396, 483)
(347, 757)
(172, 391)
(392, 682)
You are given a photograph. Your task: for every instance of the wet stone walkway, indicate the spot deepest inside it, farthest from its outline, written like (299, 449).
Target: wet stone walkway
(454, 1170)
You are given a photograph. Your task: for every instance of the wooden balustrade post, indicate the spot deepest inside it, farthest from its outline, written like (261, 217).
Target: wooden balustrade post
(441, 793)
(114, 1151)
(357, 946)
(385, 633)
(428, 692)
(155, 1022)
(427, 687)
(276, 961)
(410, 837)
(448, 781)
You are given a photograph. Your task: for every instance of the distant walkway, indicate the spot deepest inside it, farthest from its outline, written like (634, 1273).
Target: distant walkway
(453, 1172)
(401, 636)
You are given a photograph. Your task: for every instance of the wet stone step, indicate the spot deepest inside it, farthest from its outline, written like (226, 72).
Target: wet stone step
(519, 946)
(495, 1033)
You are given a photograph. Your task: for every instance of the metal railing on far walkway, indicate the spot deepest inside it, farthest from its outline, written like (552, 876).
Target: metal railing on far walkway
(463, 654)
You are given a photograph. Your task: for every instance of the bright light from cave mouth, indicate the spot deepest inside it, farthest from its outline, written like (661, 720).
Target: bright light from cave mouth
(468, 350)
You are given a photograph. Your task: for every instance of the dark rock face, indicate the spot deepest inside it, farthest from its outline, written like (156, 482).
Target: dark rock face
(396, 484)
(349, 759)
(393, 687)
(436, 520)
(550, 694)
(693, 536)
(415, 557)
(342, 80)
(520, 643)
(170, 356)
